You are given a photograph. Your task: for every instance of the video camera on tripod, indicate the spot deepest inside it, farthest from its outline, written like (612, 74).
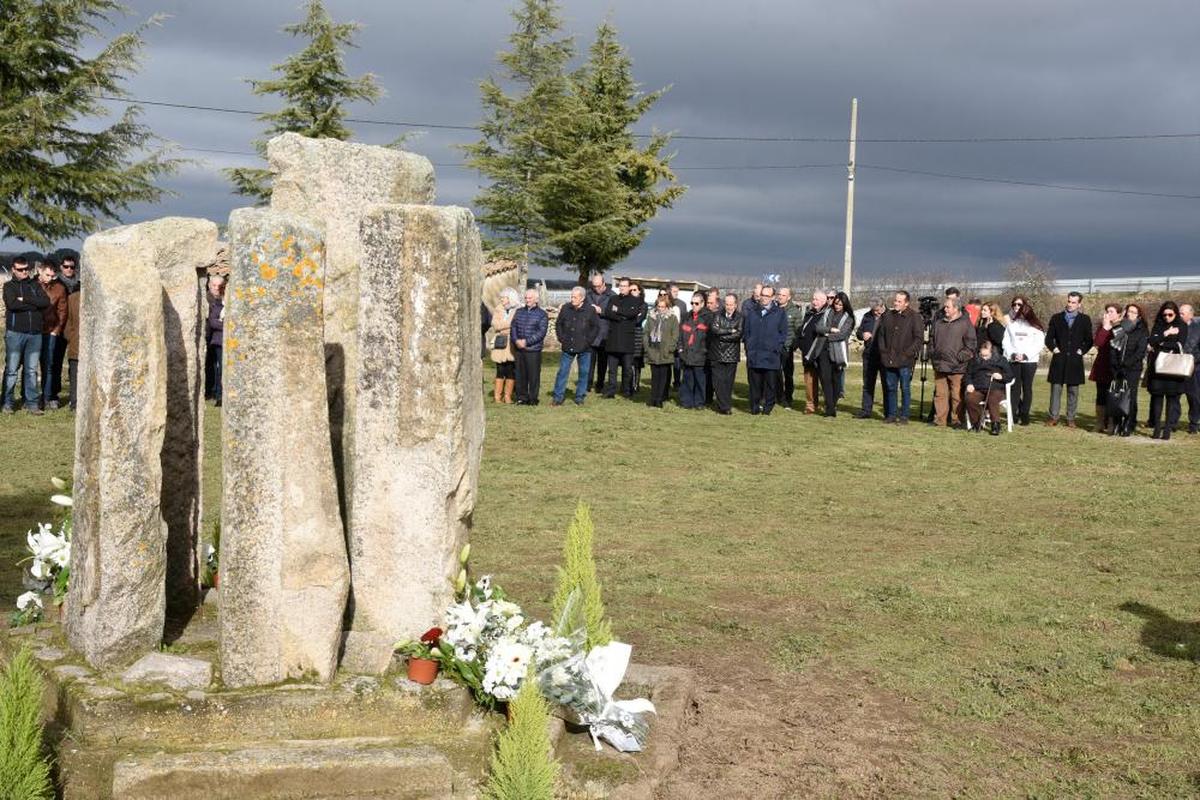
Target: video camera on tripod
(928, 306)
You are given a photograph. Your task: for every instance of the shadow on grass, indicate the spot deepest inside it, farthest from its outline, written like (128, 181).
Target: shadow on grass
(1165, 635)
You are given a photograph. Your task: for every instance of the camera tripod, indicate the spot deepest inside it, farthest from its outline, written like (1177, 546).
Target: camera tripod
(926, 334)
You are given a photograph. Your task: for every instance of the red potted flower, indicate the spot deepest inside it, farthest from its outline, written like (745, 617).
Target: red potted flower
(422, 656)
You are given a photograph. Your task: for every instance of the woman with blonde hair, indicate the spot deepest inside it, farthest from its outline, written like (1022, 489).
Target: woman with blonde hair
(500, 345)
(991, 326)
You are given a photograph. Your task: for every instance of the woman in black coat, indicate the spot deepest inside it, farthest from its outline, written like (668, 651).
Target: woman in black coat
(1127, 357)
(1167, 336)
(639, 344)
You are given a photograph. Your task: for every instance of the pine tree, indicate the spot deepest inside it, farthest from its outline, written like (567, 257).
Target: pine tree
(621, 187)
(513, 150)
(61, 175)
(24, 774)
(316, 88)
(577, 582)
(569, 185)
(523, 767)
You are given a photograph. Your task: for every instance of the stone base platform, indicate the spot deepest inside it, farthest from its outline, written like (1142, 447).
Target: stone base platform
(379, 737)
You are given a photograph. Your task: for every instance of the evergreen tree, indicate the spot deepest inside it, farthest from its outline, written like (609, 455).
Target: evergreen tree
(523, 766)
(316, 88)
(513, 151)
(578, 592)
(618, 187)
(56, 179)
(569, 184)
(24, 774)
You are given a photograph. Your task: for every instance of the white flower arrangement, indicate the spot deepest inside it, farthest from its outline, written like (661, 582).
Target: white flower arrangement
(488, 646)
(49, 557)
(29, 609)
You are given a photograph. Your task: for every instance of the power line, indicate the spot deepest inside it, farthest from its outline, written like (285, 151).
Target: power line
(881, 167)
(715, 138)
(1014, 182)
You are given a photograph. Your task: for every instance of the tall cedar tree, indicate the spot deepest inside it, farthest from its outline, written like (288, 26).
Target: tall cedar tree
(513, 151)
(608, 189)
(315, 87)
(56, 180)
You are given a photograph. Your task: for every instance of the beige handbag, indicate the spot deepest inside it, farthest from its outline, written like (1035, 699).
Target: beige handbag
(1174, 365)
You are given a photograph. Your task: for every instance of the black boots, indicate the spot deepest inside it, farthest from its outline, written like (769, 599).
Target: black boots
(995, 429)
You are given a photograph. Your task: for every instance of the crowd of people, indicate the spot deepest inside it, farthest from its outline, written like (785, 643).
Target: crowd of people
(978, 354)
(41, 332)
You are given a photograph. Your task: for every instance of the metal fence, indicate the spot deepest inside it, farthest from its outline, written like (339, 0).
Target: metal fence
(1178, 283)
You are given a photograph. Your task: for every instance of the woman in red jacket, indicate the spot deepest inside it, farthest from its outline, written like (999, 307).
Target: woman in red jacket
(1102, 372)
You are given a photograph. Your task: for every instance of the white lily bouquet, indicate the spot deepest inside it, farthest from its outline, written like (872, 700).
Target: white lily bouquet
(50, 561)
(488, 646)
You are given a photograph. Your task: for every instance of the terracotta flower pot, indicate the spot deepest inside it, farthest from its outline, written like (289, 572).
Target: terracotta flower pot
(422, 670)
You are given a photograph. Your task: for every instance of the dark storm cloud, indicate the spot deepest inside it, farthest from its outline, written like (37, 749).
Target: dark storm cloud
(775, 68)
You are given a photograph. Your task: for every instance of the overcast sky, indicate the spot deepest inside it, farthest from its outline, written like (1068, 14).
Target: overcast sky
(782, 68)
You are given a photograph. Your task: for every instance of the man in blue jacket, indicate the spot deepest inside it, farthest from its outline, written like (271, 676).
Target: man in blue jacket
(765, 333)
(528, 332)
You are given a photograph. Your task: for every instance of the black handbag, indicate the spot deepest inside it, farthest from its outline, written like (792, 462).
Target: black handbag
(1119, 396)
(500, 342)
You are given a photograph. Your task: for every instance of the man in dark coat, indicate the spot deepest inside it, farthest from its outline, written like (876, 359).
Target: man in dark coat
(576, 330)
(622, 314)
(25, 302)
(952, 346)
(1068, 337)
(899, 336)
(725, 351)
(597, 300)
(787, 372)
(764, 331)
(528, 333)
(872, 371)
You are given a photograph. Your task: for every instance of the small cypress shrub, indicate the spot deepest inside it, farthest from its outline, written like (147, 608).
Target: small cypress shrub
(523, 767)
(577, 575)
(24, 774)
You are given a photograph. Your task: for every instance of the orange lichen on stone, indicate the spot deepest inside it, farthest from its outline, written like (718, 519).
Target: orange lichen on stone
(268, 272)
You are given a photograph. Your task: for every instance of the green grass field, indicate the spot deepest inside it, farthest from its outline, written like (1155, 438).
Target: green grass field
(873, 611)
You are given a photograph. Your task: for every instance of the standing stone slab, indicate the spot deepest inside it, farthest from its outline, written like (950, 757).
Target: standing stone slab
(116, 601)
(419, 425)
(333, 184)
(193, 246)
(284, 574)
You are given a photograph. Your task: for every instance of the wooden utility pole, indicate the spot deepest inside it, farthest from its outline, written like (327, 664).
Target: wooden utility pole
(850, 196)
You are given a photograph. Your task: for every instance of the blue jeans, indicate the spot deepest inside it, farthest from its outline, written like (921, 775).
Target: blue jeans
(691, 390)
(893, 378)
(49, 346)
(564, 372)
(18, 347)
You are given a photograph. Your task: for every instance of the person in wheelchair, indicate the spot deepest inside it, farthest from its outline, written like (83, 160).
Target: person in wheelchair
(987, 375)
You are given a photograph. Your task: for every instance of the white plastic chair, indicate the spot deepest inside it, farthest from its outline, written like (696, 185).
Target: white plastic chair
(1006, 403)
